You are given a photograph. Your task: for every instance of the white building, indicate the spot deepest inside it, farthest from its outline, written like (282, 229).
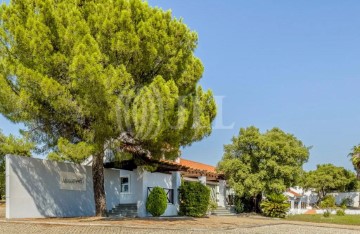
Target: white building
(41, 188)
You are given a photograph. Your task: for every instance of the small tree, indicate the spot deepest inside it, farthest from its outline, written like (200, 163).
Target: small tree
(328, 177)
(194, 199)
(15, 146)
(156, 202)
(255, 163)
(275, 205)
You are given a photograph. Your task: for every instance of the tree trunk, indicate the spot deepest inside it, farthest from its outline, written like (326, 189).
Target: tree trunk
(98, 181)
(256, 200)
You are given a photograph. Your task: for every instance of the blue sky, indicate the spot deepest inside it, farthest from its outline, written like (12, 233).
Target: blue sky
(288, 64)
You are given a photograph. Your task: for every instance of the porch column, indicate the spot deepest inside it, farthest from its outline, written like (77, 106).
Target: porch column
(176, 181)
(202, 179)
(141, 192)
(292, 202)
(222, 193)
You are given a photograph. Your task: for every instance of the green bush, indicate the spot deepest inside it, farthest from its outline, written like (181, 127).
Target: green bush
(212, 206)
(246, 204)
(239, 206)
(275, 205)
(156, 202)
(347, 201)
(340, 212)
(328, 202)
(327, 213)
(194, 199)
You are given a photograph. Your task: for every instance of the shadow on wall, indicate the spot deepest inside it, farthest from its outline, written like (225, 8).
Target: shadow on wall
(112, 188)
(351, 198)
(36, 181)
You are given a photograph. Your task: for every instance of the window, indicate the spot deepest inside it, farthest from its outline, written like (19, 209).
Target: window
(125, 184)
(169, 194)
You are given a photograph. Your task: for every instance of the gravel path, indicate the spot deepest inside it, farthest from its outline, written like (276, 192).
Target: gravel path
(10, 227)
(234, 224)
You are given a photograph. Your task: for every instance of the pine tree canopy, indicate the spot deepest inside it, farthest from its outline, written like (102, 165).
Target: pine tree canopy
(84, 73)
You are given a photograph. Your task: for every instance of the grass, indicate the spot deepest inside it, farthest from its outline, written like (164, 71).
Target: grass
(319, 218)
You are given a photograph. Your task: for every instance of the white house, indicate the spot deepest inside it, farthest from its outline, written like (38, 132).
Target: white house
(38, 188)
(299, 200)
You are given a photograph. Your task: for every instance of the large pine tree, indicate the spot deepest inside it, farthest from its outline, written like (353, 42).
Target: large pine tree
(96, 73)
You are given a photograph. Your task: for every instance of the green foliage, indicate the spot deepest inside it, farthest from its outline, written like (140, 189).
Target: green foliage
(194, 199)
(275, 205)
(243, 204)
(239, 206)
(328, 177)
(346, 201)
(327, 213)
(14, 146)
(156, 202)
(73, 76)
(318, 218)
(340, 212)
(67, 151)
(355, 157)
(328, 202)
(212, 206)
(82, 75)
(271, 162)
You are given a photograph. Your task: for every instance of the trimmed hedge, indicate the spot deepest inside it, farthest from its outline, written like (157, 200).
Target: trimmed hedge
(156, 202)
(194, 199)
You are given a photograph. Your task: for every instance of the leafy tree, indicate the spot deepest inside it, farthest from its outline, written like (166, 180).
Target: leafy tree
(355, 158)
(94, 74)
(255, 163)
(15, 146)
(328, 177)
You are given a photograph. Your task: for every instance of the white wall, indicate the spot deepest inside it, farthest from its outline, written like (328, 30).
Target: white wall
(112, 188)
(131, 196)
(354, 196)
(168, 181)
(114, 196)
(33, 189)
(222, 193)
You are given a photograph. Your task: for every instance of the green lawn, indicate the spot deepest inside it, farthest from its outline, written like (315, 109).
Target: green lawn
(318, 218)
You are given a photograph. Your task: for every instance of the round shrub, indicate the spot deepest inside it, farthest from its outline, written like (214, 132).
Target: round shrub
(340, 212)
(328, 202)
(156, 202)
(194, 199)
(327, 214)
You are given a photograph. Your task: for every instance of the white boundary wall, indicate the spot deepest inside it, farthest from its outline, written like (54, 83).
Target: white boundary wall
(353, 196)
(33, 189)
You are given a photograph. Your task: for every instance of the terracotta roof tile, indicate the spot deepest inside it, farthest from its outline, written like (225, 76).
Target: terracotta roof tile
(294, 193)
(197, 165)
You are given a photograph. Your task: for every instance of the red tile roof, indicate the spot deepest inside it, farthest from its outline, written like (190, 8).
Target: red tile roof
(294, 193)
(197, 165)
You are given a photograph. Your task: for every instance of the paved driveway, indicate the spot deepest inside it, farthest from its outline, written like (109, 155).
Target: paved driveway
(236, 224)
